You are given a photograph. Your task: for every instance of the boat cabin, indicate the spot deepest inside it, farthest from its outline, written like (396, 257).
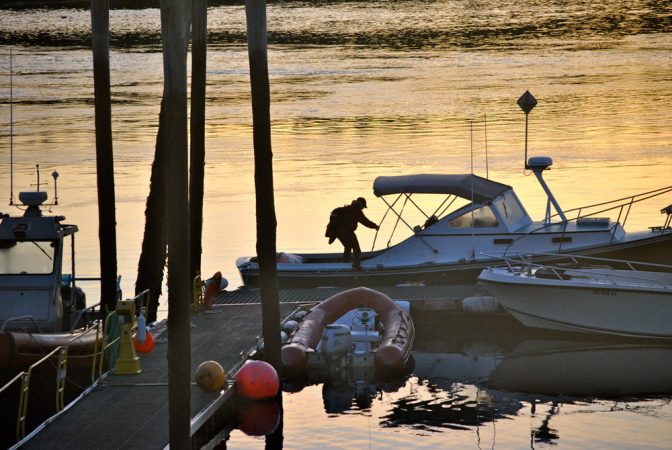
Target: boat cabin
(34, 294)
(476, 215)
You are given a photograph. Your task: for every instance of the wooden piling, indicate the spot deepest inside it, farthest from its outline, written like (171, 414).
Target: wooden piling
(199, 33)
(255, 11)
(175, 17)
(107, 235)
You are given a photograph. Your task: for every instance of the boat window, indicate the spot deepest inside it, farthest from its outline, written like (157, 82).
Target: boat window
(509, 207)
(483, 218)
(27, 257)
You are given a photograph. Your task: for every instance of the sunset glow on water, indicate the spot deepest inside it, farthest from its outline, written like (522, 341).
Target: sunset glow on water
(361, 90)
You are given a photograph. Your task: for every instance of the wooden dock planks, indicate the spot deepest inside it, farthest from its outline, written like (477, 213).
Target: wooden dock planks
(131, 411)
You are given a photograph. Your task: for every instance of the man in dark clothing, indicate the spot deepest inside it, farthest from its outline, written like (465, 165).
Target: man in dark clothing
(351, 215)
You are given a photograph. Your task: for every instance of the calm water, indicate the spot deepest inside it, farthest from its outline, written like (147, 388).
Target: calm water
(362, 89)
(489, 383)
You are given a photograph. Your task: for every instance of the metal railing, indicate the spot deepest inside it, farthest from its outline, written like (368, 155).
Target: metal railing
(103, 351)
(589, 266)
(61, 370)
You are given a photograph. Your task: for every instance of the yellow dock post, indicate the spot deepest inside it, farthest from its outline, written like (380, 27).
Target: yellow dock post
(128, 362)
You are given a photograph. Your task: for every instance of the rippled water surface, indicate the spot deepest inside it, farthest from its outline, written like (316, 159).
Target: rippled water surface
(359, 90)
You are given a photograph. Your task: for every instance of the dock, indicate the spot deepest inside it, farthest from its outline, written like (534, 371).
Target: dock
(131, 411)
(421, 297)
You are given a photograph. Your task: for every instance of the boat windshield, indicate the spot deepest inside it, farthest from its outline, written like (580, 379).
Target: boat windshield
(26, 257)
(483, 217)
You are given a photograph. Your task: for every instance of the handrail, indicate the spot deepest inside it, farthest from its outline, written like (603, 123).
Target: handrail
(61, 367)
(61, 374)
(61, 377)
(25, 390)
(12, 319)
(105, 345)
(80, 313)
(575, 258)
(622, 202)
(526, 259)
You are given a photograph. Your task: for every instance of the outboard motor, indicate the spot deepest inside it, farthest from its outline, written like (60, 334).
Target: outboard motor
(364, 332)
(335, 345)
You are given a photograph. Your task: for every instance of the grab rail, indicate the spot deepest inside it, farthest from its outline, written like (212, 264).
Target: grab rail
(80, 313)
(60, 378)
(621, 203)
(25, 389)
(104, 347)
(16, 319)
(526, 260)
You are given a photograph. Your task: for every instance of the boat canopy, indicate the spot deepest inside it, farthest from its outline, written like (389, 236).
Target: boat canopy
(467, 186)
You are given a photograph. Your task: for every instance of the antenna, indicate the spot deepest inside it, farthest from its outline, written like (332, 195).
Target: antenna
(527, 102)
(11, 131)
(471, 144)
(485, 126)
(473, 237)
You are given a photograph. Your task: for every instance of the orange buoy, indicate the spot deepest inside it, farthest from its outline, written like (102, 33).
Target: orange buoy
(257, 380)
(210, 376)
(144, 347)
(258, 418)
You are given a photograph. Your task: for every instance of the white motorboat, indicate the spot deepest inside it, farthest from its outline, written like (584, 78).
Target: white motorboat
(475, 216)
(582, 294)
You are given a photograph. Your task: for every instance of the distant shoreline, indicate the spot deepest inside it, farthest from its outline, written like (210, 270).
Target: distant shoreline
(86, 4)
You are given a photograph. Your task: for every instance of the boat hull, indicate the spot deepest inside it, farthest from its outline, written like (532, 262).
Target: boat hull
(655, 249)
(580, 306)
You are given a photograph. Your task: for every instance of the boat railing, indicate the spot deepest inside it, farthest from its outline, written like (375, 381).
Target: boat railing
(622, 205)
(103, 345)
(18, 319)
(24, 389)
(579, 264)
(89, 311)
(105, 340)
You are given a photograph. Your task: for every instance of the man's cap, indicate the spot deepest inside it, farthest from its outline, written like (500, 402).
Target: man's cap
(361, 201)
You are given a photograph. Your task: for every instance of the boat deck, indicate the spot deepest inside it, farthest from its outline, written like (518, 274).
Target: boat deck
(131, 411)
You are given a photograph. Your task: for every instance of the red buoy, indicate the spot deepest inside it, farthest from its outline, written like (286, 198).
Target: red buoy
(258, 418)
(257, 380)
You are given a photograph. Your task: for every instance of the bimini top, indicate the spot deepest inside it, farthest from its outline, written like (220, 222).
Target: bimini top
(460, 185)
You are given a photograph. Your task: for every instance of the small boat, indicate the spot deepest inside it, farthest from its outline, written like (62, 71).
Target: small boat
(356, 328)
(41, 308)
(474, 216)
(581, 294)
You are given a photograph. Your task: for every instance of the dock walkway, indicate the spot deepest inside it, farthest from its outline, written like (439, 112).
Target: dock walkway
(443, 297)
(131, 411)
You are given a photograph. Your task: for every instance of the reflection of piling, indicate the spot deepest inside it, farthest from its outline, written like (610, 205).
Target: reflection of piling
(255, 11)
(100, 21)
